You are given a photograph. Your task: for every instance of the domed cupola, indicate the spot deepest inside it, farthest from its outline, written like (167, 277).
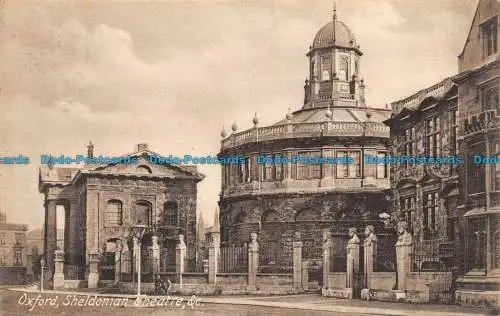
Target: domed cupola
(343, 36)
(334, 59)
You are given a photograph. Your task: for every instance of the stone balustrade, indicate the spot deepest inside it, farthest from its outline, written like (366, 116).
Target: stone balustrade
(414, 100)
(296, 130)
(292, 185)
(482, 122)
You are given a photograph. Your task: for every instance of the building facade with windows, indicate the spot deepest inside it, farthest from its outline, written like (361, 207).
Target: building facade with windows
(13, 251)
(456, 207)
(276, 199)
(102, 203)
(425, 124)
(479, 109)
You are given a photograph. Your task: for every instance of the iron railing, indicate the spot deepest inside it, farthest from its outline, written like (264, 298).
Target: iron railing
(233, 259)
(433, 255)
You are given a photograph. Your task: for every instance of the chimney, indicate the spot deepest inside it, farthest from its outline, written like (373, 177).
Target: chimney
(142, 146)
(3, 217)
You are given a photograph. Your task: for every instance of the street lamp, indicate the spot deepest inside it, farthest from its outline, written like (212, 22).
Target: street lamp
(42, 267)
(138, 231)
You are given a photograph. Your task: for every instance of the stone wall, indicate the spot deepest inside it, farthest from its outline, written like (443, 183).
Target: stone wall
(385, 281)
(335, 280)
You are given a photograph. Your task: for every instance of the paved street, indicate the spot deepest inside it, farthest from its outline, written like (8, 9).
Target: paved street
(10, 305)
(67, 303)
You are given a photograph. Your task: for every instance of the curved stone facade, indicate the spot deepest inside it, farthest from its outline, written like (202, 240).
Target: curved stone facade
(278, 199)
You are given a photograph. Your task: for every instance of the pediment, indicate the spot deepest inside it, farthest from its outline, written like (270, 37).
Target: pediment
(144, 164)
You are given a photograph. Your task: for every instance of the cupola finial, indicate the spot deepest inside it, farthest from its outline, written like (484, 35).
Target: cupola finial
(334, 10)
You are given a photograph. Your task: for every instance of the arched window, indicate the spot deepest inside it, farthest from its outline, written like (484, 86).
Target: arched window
(143, 212)
(307, 215)
(344, 69)
(325, 76)
(270, 216)
(143, 169)
(242, 218)
(326, 66)
(114, 213)
(171, 214)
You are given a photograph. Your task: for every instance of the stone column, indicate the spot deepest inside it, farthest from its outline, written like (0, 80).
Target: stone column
(93, 277)
(297, 261)
(370, 170)
(352, 259)
(59, 269)
(370, 250)
(404, 252)
(327, 179)
(253, 262)
(118, 260)
(180, 255)
(327, 254)
(213, 257)
(155, 249)
(287, 169)
(73, 235)
(50, 236)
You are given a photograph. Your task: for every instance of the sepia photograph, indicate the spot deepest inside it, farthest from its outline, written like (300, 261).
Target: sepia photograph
(250, 157)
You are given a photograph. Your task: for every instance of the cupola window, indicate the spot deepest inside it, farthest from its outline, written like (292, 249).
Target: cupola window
(343, 69)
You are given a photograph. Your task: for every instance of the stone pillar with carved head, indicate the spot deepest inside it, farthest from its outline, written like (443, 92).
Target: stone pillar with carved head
(297, 260)
(370, 250)
(404, 253)
(180, 255)
(58, 269)
(327, 253)
(352, 258)
(253, 261)
(155, 249)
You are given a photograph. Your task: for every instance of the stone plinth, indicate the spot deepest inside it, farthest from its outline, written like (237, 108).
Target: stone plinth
(297, 261)
(369, 251)
(93, 276)
(59, 269)
(180, 255)
(352, 259)
(404, 247)
(253, 261)
(213, 257)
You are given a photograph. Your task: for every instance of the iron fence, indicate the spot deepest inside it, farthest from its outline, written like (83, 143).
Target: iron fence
(167, 260)
(269, 252)
(233, 259)
(193, 262)
(433, 255)
(384, 256)
(74, 272)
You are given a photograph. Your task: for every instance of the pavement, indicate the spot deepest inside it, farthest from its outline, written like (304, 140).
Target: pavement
(313, 302)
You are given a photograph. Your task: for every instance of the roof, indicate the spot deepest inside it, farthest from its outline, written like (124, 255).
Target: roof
(13, 226)
(65, 175)
(343, 36)
(347, 114)
(439, 91)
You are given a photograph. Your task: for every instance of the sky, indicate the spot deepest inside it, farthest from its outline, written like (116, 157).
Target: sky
(173, 73)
